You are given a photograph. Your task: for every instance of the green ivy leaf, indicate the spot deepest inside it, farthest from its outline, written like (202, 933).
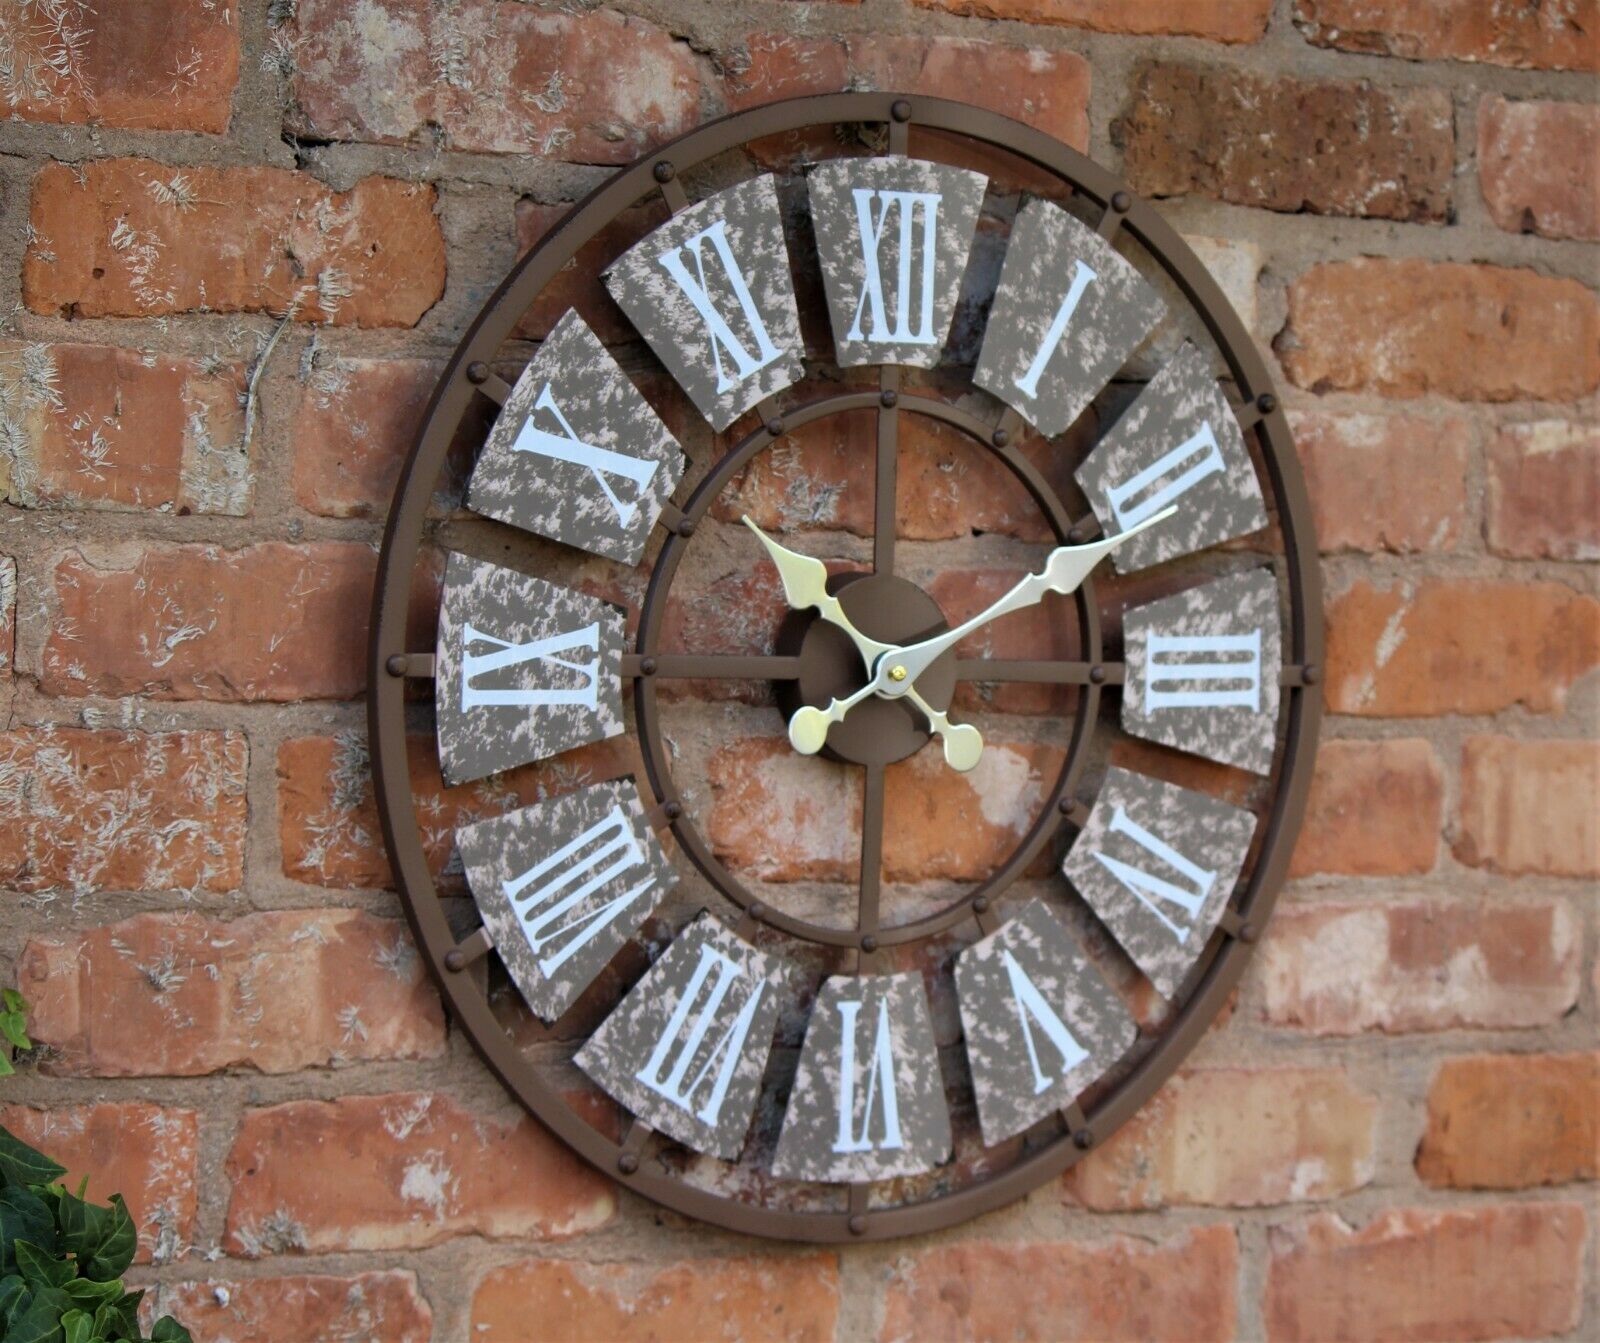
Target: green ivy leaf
(24, 1216)
(21, 1164)
(13, 1001)
(91, 1294)
(168, 1330)
(77, 1326)
(107, 1322)
(7, 1068)
(41, 1322)
(13, 1298)
(128, 1312)
(14, 1026)
(102, 1239)
(40, 1270)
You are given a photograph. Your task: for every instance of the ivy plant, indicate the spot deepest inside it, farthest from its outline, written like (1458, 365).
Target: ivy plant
(62, 1259)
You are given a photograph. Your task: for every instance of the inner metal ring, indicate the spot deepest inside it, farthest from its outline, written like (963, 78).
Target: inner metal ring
(647, 712)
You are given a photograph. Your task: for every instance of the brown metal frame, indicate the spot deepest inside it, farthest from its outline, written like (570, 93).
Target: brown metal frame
(390, 662)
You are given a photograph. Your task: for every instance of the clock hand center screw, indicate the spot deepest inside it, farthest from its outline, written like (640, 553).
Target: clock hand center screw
(897, 673)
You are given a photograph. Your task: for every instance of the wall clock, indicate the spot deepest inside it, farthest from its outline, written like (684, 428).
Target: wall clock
(817, 1058)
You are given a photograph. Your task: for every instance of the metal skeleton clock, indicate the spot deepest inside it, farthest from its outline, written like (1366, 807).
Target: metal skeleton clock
(921, 1052)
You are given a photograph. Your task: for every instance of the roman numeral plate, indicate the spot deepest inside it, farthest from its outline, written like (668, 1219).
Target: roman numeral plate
(712, 292)
(1158, 864)
(1040, 1022)
(525, 669)
(892, 236)
(1203, 669)
(577, 454)
(686, 1049)
(868, 1098)
(563, 885)
(1067, 314)
(1179, 443)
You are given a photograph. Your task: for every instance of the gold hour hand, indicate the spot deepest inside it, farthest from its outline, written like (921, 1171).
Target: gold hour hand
(805, 584)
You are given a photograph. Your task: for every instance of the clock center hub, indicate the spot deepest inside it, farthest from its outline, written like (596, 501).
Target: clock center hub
(892, 610)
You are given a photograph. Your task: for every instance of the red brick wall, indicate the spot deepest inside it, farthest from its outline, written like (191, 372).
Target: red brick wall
(1395, 1135)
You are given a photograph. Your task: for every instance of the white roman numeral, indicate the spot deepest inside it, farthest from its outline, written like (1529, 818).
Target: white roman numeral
(721, 334)
(1166, 663)
(605, 850)
(600, 461)
(724, 1055)
(871, 225)
(1082, 278)
(1027, 999)
(510, 655)
(1198, 455)
(1148, 888)
(880, 1083)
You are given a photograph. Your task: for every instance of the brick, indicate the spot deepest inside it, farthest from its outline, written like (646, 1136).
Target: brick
(190, 622)
(170, 67)
(93, 426)
(1409, 328)
(789, 1300)
(788, 817)
(1536, 167)
(1415, 1275)
(820, 476)
(1118, 1291)
(490, 76)
(1376, 810)
(84, 811)
(1394, 483)
(135, 238)
(146, 1153)
(1324, 147)
(1529, 806)
(1219, 20)
(1046, 89)
(1464, 646)
(411, 1169)
(1419, 966)
(1235, 1137)
(181, 995)
(315, 1308)
(328, 827)
(1542, 499)
(352, 424)
(1553, 35)
(1512, 1121)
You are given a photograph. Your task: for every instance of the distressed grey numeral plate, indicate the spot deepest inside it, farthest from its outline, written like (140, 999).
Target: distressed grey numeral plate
(686, 1049)
(868, 1097)
(1068, 313)
(892, 237)
(1158, 864)
(1040, 1022)
(525, 669)
(563, 885)
(1178, 444)
(577, 454)
(712, 292)
(1203, 669)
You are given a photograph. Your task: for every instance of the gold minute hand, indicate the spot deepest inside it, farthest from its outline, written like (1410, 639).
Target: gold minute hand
(805, 583)
(1066, 568)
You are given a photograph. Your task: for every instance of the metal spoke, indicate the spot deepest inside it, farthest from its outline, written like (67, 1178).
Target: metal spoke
(872, 807)
(1043, 671)
(712, 666)
(883, 516)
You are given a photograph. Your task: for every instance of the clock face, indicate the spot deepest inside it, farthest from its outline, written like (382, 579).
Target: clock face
(834, 875)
